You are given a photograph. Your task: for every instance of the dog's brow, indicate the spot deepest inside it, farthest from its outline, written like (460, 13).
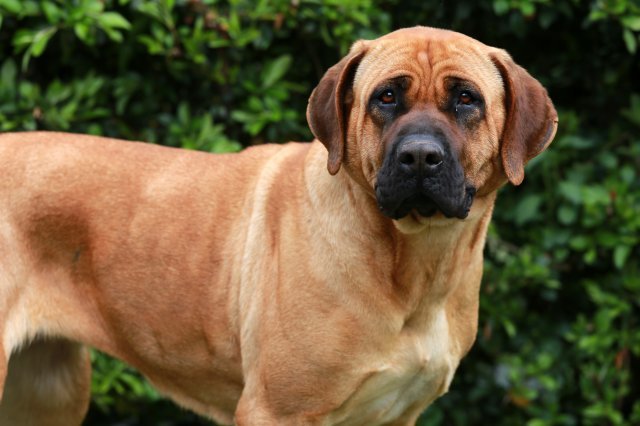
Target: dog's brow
(401, 81)
(453, 81)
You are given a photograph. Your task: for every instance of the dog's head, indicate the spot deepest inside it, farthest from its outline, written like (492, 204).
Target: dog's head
(427, 119)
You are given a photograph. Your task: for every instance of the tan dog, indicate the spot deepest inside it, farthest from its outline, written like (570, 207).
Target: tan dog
(258, 288)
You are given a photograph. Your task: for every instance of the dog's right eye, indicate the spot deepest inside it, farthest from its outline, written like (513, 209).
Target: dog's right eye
(386, 102)
(465, 98)
(387, 97)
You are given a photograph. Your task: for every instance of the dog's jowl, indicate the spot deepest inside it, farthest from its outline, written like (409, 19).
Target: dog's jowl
(334, 282)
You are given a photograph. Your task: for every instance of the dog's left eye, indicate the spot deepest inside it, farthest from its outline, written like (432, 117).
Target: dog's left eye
(387, 97)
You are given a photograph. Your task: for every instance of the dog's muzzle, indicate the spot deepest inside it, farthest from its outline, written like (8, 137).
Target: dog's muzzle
(421, 172)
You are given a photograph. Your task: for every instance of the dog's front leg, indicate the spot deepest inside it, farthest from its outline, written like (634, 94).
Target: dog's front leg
(254, 410)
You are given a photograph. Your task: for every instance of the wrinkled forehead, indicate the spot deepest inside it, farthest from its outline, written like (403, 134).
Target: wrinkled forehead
(427, 56)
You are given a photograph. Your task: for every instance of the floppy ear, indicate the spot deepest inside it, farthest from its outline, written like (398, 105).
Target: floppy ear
(531, 120)
(327, 112)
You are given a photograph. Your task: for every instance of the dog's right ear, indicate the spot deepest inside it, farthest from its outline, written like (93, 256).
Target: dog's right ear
(329, 105)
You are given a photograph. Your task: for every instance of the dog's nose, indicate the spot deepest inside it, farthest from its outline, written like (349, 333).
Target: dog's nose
(420, 156)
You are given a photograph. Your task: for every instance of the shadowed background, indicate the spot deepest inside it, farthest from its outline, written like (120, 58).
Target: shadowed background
(559, 333)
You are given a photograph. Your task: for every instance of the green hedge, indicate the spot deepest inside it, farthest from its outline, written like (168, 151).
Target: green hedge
(559, 339)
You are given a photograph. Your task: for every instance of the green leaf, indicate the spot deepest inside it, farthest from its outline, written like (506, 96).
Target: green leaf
(567, 214)
(527, 209)
(631, 22)
(243, 116)
(154, 47)
(8, 74)
(580, 242)
(577, 142)
(169, 4)
(596, 15)
(630, 40)
(222, 144)
(571, 191)
(275, 70)
(183, 113)
(218, 43)
(255, 127)
(41, 39)
(159, 10)
(627, 174)
(595, 195)
(620, 255)
(58, 92)
(607, 239)
(23, 38)
(51, 11)
(113, 20)
(500, 7)
(528, 9)
(83, 31)
(86, 8)
(509, 327)
(13, 6)
(113, 34)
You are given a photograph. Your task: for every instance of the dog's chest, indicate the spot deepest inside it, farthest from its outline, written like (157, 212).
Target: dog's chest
(418, 370)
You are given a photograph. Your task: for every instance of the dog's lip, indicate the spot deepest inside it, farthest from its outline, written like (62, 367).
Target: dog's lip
(416, 204)
(426, 211)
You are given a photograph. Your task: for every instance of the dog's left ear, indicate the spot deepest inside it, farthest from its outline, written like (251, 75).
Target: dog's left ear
(329, 105)
(531, 120)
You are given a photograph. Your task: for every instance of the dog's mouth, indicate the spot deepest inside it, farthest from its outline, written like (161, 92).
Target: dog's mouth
(427, 205)
(421, 175)
(423, 205)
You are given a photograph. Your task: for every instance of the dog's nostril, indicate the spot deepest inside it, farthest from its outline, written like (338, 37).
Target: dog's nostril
(406, 158)
(420, 156)
(433, 159)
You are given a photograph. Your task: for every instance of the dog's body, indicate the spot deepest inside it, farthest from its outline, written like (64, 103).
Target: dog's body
(257, 287)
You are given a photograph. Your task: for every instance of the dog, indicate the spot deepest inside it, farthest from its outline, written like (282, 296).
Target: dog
(332, 282)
